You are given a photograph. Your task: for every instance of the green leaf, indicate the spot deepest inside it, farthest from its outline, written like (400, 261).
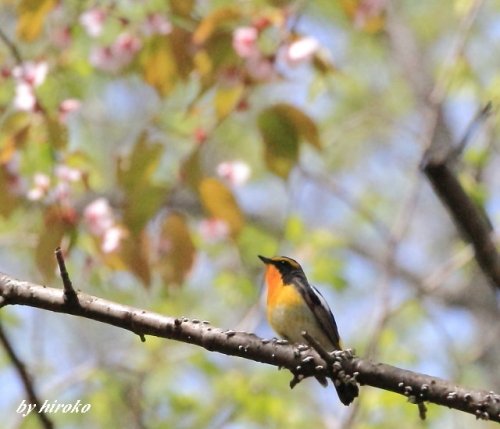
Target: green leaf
(141, 163)
(281, 141)
(143, 198)
(281, 127)
(304, 125)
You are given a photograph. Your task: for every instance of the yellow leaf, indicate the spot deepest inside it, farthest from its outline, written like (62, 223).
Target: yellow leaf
(220, 203)
(159, 65)
(9, 199)
(15, 132)
(179, 250)
(203, 63)
(182, 7)
(182, 52)
(191, 170)
(226, 99)
(32, 15)
(135, 257)
(209, 24)
(57, 223)
(365, 19)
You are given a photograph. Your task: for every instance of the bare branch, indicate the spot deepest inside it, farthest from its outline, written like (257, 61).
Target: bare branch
(26, 380)
(470, 219)
(11, 47)
(417, 387)
(70, 296)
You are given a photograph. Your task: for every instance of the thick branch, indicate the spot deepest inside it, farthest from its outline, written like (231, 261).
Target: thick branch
(467, 217)
(417, 387)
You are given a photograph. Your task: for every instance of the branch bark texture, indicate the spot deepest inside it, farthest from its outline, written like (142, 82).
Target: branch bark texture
(301, 361)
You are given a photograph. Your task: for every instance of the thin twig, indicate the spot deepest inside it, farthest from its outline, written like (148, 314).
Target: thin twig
(25, 379)
(474, 125)
(11, 47)
(70, 296)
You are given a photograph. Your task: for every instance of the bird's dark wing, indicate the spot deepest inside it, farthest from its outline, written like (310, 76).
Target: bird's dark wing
(321, 310)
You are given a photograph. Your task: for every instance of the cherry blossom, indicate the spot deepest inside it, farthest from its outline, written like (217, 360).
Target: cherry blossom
(156, 23)
(119, 54)
(28, 76)
(301, 50)
(31, 73)
(245, 42)
(261, 68)
(235, 172)
(98, 216)
(66, 107)
(112, 238)
(68, 174)
(24, 98)
(93, 21)
(41, 185)
(214, 230)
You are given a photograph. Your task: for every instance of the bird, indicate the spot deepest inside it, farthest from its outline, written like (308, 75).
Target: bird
(295, 306)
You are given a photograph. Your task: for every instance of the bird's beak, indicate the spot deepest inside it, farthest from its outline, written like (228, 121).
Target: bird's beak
(265, 260)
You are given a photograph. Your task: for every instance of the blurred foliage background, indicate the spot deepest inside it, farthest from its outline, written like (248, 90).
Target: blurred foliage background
(164, 144)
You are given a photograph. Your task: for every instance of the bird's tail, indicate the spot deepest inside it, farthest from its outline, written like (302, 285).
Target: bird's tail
(347, 392)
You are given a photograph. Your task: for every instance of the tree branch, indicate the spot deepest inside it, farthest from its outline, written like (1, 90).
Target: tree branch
(26, 380)
(469, 218)
(11, 47)
(299, 360)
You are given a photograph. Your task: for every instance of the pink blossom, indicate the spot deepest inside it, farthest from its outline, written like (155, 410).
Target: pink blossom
(68, 174)
(102, 58)
(62, 192)
(28, 76)
(68, 106)
(368, 9)
(93, 21)
(119, 54)
(261, 68)
(112, 238)
(156, 23)
(98, 216)
(41, 184)
(301, 50)
(200, 135)
(235, 172)
(31, 73)
(61, 37)
(245, 42)
(214, 230)
(24, 98)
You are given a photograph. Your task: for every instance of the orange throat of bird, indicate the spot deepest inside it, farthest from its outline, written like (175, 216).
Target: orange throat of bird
(274, 284)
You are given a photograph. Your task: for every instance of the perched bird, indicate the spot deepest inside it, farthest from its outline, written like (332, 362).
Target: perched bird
(294, 306)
